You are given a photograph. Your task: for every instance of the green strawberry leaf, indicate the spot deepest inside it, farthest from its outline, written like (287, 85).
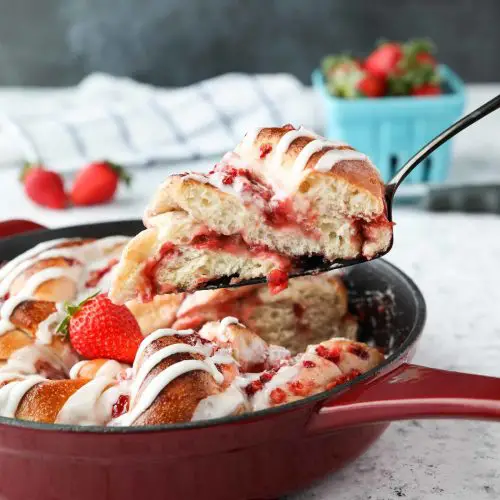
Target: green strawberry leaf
(71, 309)
(123, 175)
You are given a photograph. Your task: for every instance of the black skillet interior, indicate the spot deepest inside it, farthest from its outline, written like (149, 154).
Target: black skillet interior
(389, 306)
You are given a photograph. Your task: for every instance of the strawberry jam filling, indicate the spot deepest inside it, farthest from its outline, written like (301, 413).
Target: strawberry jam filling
(265, 149)
(277, 212)
(218, 242)
(253, 387)
(277, 281)
(359, 351)
(267, 376)
(96, 275)
(370, 232)
(301, 388)
(277, 396)
(308, 364)
(277, 278)
(121, 406)
(342, 379)
(333, 354)
(149, 286)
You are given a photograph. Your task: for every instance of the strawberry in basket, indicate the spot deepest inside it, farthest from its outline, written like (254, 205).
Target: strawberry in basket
(347, 78)
(392, 69)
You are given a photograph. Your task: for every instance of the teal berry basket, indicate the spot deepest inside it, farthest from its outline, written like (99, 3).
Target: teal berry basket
(391, 129)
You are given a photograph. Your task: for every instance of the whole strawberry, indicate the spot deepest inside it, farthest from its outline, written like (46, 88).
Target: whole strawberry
(97, 328)
(426, 89)
(371, 86)
(97, 183)
(384, 59)
(44, 187)
(417, 72)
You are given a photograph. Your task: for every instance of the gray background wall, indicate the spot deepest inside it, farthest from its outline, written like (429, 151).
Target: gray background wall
(174, 42)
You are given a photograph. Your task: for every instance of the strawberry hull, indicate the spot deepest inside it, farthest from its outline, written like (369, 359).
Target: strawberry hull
(261, 455)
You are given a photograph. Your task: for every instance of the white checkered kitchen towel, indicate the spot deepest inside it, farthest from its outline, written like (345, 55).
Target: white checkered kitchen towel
(134, 124)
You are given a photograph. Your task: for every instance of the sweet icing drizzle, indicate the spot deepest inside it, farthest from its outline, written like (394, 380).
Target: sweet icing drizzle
(86, 406)
(12, 393)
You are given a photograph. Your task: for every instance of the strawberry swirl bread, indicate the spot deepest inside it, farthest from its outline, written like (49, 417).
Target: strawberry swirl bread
(284, 194)
(69, 355)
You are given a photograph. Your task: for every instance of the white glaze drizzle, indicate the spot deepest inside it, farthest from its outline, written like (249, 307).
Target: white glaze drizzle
(282, 376)
(82, 253)
(244, 379)
(32, 285)
(157, 357)
(224, 324)
(220, 405)
(33, 252)
(334, 156)
(84, 408)
(75, 369)
(160, 381)
(24, 360)
(311, 148)
(12, 393)
(6, 376)
(250, 138)
(45, 328)
(5, 326)
(223, 357)
(158, 334)
(86, 253)
(286, 141)
(154, 388)
(110, 369)
(22, 363)
(67, 252)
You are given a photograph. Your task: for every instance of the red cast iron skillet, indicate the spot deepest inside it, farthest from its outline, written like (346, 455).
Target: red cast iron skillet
(261, 455)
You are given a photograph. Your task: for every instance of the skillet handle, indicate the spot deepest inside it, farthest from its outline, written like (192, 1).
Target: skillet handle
(17, 226)
(409, 392)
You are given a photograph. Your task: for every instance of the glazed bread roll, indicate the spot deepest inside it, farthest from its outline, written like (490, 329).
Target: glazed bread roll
(33, 287)
(320, 368)
(176, 378)
(282, 195)
(73, 402)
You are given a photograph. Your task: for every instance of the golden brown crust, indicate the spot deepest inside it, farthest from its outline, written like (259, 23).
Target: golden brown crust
(359, 173)
(179, 399)
(57, 289)
(74, 243)
(12, 341)
(90, 368)
(43, 402)
(30, 313)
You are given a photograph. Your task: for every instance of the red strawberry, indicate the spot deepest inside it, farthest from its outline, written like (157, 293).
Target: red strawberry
(426, 89)
(97, 183)
(384, 59)
(371, 86)
(98, 328)
(425, 58)
(44, 187)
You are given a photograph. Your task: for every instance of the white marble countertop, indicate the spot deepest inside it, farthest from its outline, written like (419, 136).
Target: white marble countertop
(453, 258)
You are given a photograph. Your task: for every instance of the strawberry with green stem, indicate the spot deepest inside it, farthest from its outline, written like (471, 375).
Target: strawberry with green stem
(44, 187)
(98, 328)
(97, 183)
